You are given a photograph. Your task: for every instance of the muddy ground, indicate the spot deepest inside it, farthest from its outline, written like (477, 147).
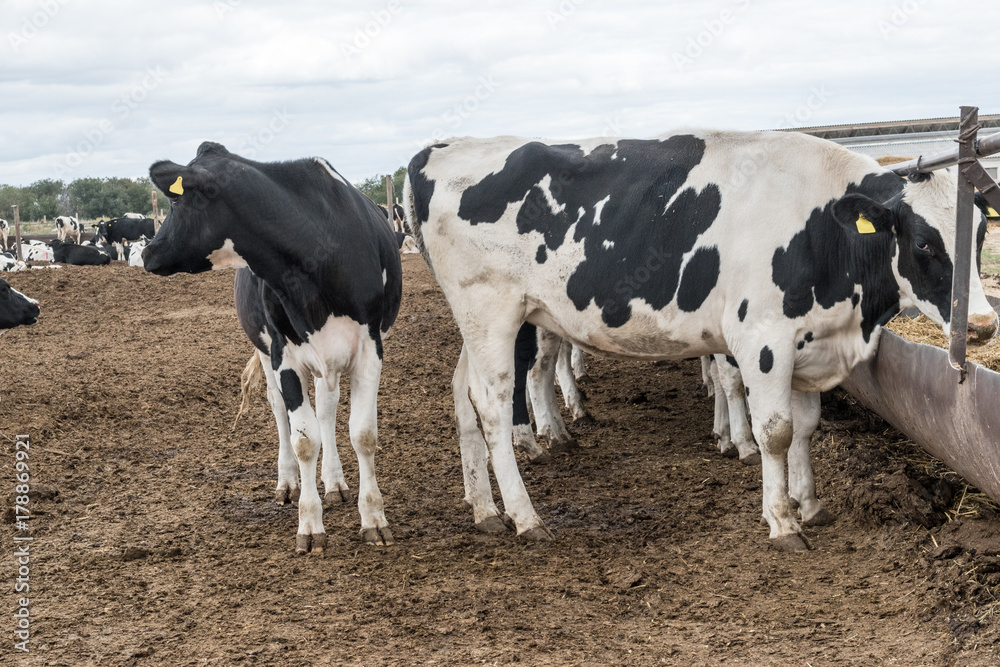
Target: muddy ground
(156, 539)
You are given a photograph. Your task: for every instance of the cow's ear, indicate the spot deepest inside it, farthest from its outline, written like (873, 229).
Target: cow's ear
(174, 179)
(983, 205)
(859, 214)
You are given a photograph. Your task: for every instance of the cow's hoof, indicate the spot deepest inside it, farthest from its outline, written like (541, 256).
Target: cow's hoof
(751, 459)
(585, 420)
(286, 496)
(821, 518)
(380, 537)
(537, 534)
(541, 459)
(338, 497)
(466, 505)
(790, 543)
(314, 543)
(492, 524)
(582, 377)
(730, 453)
(563, 446)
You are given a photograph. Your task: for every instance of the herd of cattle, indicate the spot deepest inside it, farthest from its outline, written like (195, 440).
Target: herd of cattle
(118, 238)
(636, 249)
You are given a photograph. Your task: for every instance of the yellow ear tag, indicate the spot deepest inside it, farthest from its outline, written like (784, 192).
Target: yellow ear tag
(865, 225)
(178, 189)
(991, 212)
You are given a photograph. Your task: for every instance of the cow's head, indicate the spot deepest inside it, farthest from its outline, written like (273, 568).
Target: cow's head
(15, 308)
(204, 221)
(922, 219)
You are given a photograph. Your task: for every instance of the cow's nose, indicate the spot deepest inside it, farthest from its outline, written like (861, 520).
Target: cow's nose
(982, 328)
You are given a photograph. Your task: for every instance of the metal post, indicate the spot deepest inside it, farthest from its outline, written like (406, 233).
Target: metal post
(17, 233)
(962, 266)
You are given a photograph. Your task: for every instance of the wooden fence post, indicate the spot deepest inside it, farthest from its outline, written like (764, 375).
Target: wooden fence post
(17, 233)
(389, 200)
(156, 215)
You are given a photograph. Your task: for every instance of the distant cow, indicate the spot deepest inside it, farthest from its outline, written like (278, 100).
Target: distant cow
(665, 249)
(37, 251)
(9, 262)
(135, 251)
(4, 232)
(130, 229)
(133, 216)
(15, 308)
(333, 280)
(67, 227)
(79, 255)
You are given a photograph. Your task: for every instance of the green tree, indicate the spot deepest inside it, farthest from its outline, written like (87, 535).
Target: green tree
(374, 186)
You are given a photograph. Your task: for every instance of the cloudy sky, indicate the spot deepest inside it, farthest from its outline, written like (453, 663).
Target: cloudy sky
(102, 88)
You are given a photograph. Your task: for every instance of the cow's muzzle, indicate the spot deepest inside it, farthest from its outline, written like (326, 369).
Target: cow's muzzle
(982, 328)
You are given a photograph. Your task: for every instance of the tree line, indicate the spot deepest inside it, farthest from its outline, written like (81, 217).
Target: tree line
(87, 198)
(95, 198)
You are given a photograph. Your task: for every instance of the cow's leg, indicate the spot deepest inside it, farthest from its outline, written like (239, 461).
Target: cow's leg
(767, 373)
(567, 381)
(364, 436)
(305, 438)
(525, 351)
(491, 366)
(731, 382)
(335, 489)
(579, 364)
(720, 425)
(801, 485)
(541, 386)
(288, 467)
(478, 494)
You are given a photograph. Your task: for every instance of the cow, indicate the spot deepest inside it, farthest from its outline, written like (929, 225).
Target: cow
(129, 229)
(4, 233)
(15, 308)
(334, 285)
(37, 251)
(9, 262)
(67, 227)
(135, 251)
(539, 358)
(785, 251)
(250, 294)
(133, 216)
(79, 255)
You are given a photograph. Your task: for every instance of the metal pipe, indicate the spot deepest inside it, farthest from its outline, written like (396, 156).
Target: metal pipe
(962, 266)
(986, 146)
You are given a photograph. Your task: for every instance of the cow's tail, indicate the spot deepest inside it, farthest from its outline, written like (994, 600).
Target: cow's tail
(250, 381)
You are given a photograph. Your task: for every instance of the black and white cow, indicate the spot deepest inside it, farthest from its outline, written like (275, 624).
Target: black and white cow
(15, 308)
(4, 233)
(334, 283)
(37, 251)
(79, 255)
(129, 229)
(9, 262)
(67, 227)
(784, 251)
(540, 358)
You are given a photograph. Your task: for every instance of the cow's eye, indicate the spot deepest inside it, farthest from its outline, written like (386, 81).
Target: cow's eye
(925, 248)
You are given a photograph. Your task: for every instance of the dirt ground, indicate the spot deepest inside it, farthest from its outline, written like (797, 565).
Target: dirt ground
(156, 539)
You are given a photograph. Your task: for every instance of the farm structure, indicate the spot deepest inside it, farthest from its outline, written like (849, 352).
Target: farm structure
(161, 540)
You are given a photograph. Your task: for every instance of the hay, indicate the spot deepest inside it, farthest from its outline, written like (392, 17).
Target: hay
(891, 159)
(923, 330)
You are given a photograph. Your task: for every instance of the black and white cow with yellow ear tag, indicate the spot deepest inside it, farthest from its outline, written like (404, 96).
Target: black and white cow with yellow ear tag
(331, 283)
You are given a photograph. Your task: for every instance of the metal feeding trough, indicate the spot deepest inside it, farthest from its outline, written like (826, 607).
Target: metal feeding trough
(942, 402)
